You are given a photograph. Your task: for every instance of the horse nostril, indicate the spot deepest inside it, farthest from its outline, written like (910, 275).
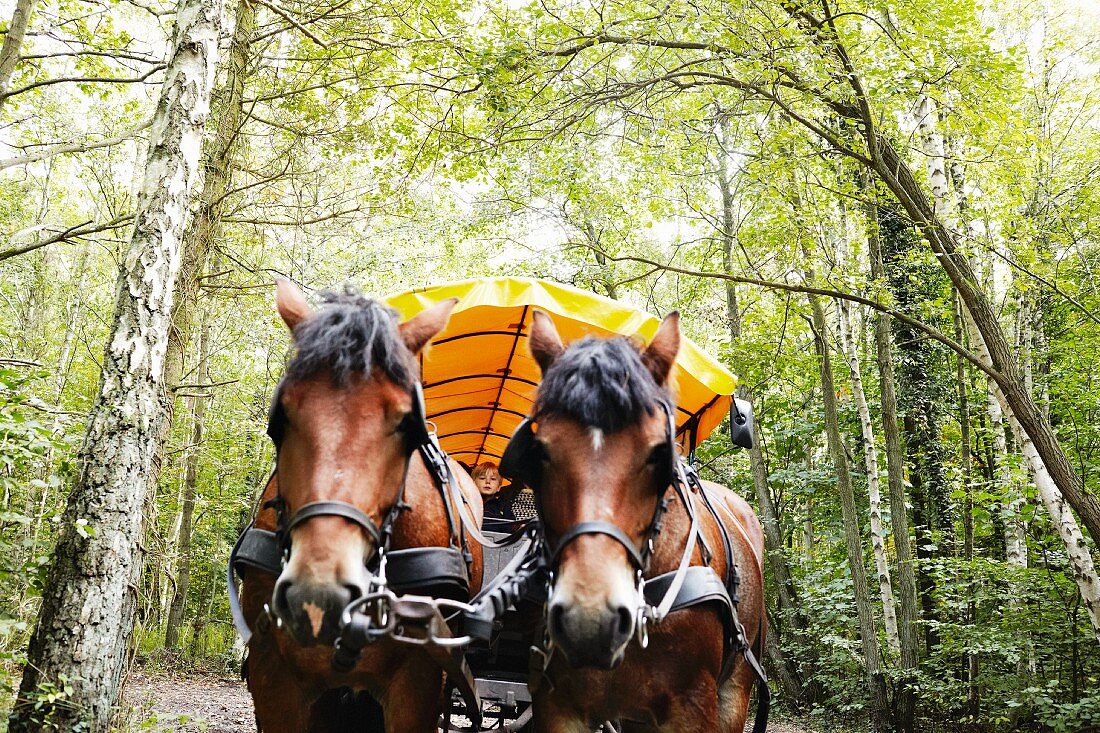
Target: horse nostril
(557, 620)
(354, 591)
(626, 620)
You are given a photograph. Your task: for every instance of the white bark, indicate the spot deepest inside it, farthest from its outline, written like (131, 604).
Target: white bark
(934, 150)
(89, 601)
(1077, 552)
(1015, 537)
(874, 495)
(925, 116)
(13, 42)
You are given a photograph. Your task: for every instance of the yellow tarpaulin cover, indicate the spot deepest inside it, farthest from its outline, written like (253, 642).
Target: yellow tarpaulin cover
(479, 378)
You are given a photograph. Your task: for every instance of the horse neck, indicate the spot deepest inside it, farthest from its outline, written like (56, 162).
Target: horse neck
(670, 544)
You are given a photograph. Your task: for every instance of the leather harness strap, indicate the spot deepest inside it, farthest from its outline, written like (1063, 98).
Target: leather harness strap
(606, 528)
(333, 509)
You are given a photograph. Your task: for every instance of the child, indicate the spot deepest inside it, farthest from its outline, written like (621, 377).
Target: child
(487, 478)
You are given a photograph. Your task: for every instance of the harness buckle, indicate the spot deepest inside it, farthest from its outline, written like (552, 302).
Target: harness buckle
(272, 617)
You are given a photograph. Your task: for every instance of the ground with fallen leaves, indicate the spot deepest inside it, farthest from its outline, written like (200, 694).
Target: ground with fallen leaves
(159, 702)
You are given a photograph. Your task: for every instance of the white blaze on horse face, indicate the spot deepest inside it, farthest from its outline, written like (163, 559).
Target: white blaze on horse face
(597, 439)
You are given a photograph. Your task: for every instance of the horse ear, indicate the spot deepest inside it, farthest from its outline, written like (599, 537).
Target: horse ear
(544, 342)
(291, 303)
(661, 353)
(421, 328)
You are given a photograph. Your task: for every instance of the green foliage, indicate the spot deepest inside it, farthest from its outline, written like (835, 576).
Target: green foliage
(431, 141)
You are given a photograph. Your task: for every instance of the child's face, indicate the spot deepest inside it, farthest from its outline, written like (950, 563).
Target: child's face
(489, 483)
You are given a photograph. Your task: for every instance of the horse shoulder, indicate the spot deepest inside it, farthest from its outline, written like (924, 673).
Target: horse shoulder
(469, 490)
(740, 512)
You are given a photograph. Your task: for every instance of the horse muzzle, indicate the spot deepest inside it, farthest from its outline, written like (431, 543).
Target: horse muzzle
(591, 637)
(311, 611)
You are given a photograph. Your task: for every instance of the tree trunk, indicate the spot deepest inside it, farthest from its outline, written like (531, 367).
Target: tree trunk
(206, 217)
(895, 173)
(190, 483)
(870, 458)
(917, 442)
(908, 616)
(1077, 551)
(88, 603)
(899, 178)
(13, 44)
(872, 660)
(971, 658)
(773, 536)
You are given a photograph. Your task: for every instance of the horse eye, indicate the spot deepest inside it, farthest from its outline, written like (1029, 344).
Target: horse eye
(658, 456)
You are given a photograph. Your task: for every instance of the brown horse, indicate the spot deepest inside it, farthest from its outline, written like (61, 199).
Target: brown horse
(340, 421)
(605, 445)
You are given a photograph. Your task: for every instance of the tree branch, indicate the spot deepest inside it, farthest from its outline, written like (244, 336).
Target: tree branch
(289, 19)
(930, 331)
(80, 230)
(84, 80)
(74, 148)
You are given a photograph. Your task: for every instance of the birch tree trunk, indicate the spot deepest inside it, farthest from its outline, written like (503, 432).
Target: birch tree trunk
(1014, 537)
(908, 615)
(205, 220)
(872, 659)
(896, 174)
(81, 637)
(891, 168)
(870, 458)
(1077, 551)
(1014, 530)
(13, 43)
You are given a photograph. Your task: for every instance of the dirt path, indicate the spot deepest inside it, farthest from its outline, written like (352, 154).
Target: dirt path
(161, 703)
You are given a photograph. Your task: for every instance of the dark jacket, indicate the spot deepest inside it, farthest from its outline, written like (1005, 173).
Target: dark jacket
(499, 508)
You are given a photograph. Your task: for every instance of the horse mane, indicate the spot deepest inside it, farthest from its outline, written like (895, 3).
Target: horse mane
(600, 383)
(351, 334)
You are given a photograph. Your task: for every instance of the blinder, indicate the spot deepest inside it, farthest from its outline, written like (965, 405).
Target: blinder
(741, 423)
(522, 459)
(276, 417)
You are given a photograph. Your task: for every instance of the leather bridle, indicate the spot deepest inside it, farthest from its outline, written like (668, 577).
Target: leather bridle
(414, 428)
(522, 461)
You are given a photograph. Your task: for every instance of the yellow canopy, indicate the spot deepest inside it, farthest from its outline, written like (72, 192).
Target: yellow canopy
(479, 378)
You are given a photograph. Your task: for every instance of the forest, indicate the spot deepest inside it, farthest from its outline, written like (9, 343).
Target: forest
(883, 217)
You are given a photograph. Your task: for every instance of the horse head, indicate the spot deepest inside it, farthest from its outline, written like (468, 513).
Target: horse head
(341, 421)
(603, 438)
